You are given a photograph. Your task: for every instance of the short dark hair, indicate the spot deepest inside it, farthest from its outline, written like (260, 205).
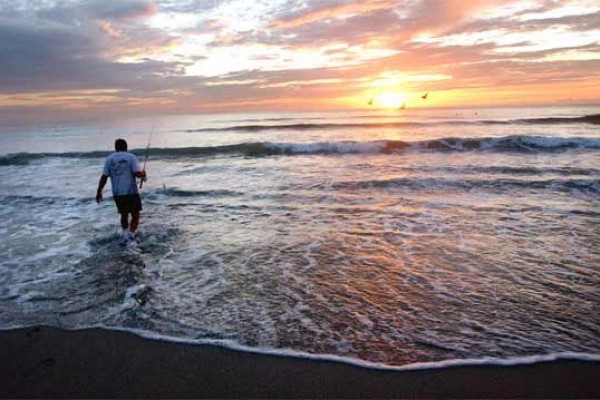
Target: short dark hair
(120, 145)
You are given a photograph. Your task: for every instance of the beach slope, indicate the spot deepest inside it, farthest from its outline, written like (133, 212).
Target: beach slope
(49, 362)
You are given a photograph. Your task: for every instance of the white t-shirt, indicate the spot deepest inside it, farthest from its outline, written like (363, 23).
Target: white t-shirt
(121, 167)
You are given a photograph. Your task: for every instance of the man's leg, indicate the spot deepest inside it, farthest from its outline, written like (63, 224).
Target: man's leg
(124, 221)
(135, 220)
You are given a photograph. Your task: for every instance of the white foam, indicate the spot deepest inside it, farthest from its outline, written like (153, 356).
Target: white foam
(330, 147)
(450, 363)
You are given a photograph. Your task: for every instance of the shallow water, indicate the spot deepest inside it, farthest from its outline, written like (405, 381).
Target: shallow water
(392, 239)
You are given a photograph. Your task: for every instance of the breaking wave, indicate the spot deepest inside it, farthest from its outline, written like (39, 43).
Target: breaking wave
(517, 143)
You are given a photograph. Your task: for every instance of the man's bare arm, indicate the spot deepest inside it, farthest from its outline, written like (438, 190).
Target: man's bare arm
(101, 184)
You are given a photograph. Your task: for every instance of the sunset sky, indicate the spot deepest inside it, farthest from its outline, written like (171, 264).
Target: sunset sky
(99, 57)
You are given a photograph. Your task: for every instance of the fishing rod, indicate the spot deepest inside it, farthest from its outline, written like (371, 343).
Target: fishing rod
(146, 156)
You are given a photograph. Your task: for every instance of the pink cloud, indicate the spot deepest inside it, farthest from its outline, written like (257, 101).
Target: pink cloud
(442, 14)
(320, 13)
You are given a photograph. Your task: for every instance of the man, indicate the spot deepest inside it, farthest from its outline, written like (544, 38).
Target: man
(123, 167)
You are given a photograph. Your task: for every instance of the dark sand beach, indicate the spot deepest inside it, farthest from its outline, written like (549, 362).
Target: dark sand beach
(48, 362)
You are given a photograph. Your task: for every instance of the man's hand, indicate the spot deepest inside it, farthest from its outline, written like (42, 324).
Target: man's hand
(141, 174)
(101, 184)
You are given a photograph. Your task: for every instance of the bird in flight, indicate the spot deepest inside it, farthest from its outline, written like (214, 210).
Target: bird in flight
(424, 97)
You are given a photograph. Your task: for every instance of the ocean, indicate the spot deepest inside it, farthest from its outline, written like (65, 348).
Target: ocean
(416, 237)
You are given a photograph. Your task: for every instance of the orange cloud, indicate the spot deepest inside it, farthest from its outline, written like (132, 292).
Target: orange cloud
(319, 14)
(435, 16)
(109, 29)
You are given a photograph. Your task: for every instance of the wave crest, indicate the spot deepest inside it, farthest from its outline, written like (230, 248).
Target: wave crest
(587, 119)
(257, 149)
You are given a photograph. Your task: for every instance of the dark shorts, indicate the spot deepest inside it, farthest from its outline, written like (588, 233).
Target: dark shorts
(128, 203)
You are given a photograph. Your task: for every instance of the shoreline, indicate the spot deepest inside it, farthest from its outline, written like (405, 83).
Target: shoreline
(50, 362)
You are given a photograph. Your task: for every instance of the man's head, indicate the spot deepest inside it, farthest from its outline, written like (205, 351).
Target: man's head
(120, 145)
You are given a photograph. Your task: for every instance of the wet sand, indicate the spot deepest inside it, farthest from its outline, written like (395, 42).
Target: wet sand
(48, 362)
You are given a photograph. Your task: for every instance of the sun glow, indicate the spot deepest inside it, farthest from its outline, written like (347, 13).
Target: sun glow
(391, 100)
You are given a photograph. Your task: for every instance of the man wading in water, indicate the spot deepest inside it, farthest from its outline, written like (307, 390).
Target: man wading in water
(123, 167)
